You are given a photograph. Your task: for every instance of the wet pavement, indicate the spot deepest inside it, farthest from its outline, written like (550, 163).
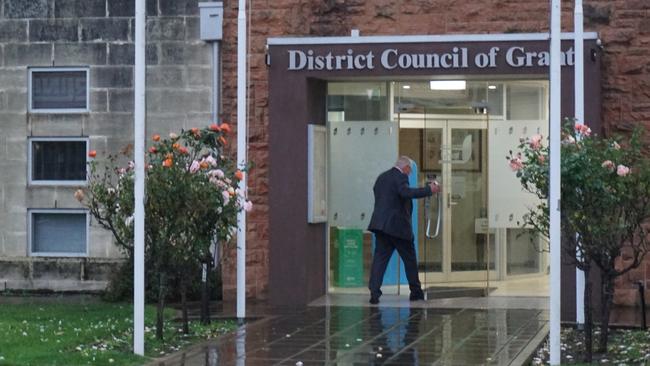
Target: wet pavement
(344, 335)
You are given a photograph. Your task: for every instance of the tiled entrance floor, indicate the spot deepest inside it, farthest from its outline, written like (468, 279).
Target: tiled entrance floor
(361, 335)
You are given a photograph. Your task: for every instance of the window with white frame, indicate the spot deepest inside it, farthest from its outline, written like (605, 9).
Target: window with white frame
(58, 232)
(58, 90)
(58, 160)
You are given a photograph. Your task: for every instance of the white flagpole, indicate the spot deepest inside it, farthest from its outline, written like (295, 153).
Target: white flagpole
(555, 186)
(139, 133)
(241, 156)
(579, 89)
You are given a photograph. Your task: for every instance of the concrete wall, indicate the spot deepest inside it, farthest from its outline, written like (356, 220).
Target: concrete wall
(98, 34)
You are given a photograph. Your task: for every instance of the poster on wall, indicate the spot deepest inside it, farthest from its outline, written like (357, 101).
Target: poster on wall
(317, 174)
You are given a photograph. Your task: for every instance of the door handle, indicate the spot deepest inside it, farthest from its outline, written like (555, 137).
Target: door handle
(438, 219)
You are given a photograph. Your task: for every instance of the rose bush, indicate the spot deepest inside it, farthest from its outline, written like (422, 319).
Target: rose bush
(191, 199)
(605, 202)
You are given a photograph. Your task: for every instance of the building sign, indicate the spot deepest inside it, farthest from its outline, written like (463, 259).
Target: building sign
(456, 58)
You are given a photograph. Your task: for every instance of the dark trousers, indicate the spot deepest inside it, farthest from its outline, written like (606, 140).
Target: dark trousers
(385, 245)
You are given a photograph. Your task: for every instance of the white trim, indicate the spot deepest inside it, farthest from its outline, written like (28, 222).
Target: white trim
(30, 109)
(285, 41)
(31, 182)
(30, 227)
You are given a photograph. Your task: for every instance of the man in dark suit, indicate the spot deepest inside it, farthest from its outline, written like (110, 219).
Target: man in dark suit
(391, 224)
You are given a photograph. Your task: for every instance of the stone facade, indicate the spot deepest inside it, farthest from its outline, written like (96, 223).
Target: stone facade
(98, 34)
(623, 26)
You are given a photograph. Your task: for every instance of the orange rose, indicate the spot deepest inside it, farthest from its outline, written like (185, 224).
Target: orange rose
(169, 156)
(239, 175)
(215, 127)
(167, 163)
(194, 130)
(225, 127)
(92, 153)
(156, 137)
(153, 150)
(204, 165)
(222, 140)
(176, 145)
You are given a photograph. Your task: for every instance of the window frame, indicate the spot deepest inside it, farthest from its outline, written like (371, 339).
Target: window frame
(30, 161)
(30, 107)
(30, 231)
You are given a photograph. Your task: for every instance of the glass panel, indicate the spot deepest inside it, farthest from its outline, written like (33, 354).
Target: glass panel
(525, 102)
(523, 252)
(58, 233)
(59, 89)
(357, 101)
(431, 213)
(467, 198)
(495, 99)
(59, 160)
(416, 97)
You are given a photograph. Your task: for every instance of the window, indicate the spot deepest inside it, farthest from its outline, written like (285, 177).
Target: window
(57, 161)
(58, 90)
(58, 232)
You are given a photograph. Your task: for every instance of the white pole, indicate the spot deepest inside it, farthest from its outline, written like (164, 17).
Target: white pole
(241, 156)
(555, 186)
(138, 152)
(579, 90)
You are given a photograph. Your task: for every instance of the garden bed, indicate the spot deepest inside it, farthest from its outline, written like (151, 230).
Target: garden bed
(626, 347)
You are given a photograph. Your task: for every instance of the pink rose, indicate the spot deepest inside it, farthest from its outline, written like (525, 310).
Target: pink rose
(622, 170)
(569, 140)
(541, 159)
(195, 167)
(609, 165)
(248, 206)
(210, 160)
(516, 164)
(535, 142)
(226, 197)
(582, 129)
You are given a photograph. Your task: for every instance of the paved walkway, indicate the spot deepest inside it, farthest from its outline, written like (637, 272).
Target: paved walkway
(424, 334)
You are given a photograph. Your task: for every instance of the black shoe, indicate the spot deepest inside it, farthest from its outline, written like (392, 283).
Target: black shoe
(416, 297)
(374, 300)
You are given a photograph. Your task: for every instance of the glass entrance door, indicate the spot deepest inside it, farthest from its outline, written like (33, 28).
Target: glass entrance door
(455, 245)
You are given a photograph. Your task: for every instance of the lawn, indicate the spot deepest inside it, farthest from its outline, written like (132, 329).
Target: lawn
(90, 334)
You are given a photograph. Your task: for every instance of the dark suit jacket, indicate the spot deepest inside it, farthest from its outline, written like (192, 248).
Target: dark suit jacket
(393, 206)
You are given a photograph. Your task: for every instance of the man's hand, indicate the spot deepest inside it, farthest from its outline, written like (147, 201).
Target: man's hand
(435, 187)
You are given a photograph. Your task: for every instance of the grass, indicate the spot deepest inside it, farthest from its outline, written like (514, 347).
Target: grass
(625, 347)
(91, 334)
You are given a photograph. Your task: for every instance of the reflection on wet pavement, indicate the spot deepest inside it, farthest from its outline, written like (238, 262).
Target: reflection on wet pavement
(375, 336)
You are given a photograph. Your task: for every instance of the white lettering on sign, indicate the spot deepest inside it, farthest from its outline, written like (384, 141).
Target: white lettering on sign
(393, 58)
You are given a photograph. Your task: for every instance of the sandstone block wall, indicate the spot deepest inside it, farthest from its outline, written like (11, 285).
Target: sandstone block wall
(623, 26)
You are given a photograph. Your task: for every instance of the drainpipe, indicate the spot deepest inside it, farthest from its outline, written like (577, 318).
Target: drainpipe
(138, 152)
(555, 178)
(241, 157)
(579, 108)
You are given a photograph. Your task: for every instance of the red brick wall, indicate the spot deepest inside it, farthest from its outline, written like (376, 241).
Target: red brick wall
(624, 27)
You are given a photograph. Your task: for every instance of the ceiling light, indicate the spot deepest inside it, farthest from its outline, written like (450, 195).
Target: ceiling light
(448, 84)
(406, 87)
(492, 87)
